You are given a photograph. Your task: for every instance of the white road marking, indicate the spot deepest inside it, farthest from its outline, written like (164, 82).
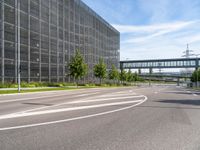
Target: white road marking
(60, 104)
(64, 110)
(105, 99)
(44, 107)
(117, 94)
(39, 97)
(72, 119)
(194, 94)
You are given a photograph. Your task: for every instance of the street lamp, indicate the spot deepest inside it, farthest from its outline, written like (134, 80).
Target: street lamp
(18, 46)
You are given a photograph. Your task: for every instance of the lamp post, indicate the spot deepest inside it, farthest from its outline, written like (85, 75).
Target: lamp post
(18, 46)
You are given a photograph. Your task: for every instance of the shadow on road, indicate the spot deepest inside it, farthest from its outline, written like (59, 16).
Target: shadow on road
(167, 107)
(184, 102)
(184, 92)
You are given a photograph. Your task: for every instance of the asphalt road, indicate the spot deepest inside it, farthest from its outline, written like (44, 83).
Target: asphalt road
(144, 118)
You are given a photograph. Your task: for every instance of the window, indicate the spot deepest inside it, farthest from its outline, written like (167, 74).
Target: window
(34, 40)
(44, 58)
(34, 9)
(24, 53)
(45, 43)
(53, 31)
(45, 13)
(44, 28)
(24, 5)
(24, 37)
(24, 20)
(9, 14)
(34, 55)
(9, 50)
(10, 2)
(34, 23)
(9, 32)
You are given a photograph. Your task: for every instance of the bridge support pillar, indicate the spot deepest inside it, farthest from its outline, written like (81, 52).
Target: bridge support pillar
(178, 82)
(139, 71)
(150, 70)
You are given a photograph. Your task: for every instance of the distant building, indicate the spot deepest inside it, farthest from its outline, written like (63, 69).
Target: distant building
(50, 32)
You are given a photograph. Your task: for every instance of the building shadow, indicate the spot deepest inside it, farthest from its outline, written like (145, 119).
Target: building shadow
(168, 107)
(184, 102)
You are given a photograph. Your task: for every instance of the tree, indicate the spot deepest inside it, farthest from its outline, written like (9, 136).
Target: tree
(100, 70)
(195, 76)
(130, 76)
(77, 67)
(123, 76)
(113, 74)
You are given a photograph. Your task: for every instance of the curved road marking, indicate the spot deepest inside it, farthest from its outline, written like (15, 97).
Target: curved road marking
(51, 111)
(72, 119)
(65, 103)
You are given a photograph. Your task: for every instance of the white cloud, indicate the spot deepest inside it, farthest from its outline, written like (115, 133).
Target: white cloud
(153, 28)
(159, 40)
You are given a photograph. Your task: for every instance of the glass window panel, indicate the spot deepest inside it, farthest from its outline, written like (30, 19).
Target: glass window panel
(9, 50)
(9, 32)
(9, 14)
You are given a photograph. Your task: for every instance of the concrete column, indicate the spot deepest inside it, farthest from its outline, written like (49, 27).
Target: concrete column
(139, 71)
(2, 52)
(150, 70)
(178, 82)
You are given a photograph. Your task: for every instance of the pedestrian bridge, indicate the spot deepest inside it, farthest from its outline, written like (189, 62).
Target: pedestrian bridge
(161, 63)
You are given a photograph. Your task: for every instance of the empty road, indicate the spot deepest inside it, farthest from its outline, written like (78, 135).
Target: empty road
(134, 118)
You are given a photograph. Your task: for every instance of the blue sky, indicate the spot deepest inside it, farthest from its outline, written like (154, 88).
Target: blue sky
(152, 28)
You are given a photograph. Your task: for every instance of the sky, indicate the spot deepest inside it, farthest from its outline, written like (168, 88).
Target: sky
(152, 29)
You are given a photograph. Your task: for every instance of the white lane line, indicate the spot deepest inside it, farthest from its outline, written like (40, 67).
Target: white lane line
(72, 119)
(105, 99)
(65, 110)
(39, 97)
(194, 94)
(56, 105)
(44, 107)
(117, 94)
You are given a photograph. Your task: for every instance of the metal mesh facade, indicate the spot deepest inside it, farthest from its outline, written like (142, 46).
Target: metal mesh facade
(50, 33)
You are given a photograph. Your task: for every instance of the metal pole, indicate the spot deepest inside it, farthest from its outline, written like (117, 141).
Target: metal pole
(18, 49)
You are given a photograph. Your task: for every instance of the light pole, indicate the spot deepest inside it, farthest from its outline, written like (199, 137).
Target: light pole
(18, 46)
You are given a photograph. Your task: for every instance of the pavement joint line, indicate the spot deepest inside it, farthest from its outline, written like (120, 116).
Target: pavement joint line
(3, 117)
(72, 119)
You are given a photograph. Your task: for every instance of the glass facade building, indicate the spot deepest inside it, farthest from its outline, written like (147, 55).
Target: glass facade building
(50, 33)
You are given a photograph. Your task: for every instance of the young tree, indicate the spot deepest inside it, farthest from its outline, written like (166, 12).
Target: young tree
(130, 76)
(78, 68)
(100, 70)
(123, 76)
(195, 76)
(113, 74)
